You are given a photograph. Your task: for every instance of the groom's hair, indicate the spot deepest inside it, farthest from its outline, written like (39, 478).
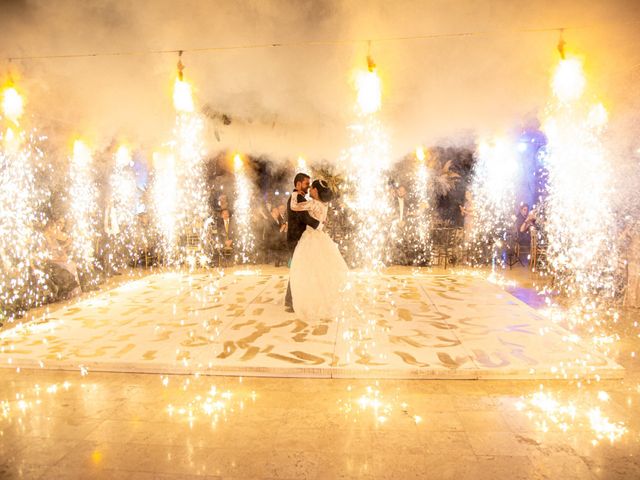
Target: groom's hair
(299, 178)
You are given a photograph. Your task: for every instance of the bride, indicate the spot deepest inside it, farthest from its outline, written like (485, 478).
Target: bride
(318, 271)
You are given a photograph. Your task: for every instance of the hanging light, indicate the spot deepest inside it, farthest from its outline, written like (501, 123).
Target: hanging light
(561, 45)
(182, 97)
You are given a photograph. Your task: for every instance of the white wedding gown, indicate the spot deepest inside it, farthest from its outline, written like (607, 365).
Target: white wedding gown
(318, 272)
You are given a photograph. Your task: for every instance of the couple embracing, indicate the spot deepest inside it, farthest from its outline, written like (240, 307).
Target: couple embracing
(318, 272)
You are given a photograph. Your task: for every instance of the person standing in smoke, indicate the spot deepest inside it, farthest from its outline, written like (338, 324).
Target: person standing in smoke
(297, 223)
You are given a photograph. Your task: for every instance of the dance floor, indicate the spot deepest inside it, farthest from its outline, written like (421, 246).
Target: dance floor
(393, 326)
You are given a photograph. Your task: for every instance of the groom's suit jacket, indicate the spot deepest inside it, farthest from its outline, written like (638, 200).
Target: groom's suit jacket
(298, 222)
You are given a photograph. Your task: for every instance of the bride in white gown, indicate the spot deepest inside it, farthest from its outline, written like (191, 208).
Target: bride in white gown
(318, 272)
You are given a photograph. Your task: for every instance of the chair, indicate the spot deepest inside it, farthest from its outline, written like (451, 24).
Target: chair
(445, 241)
(226, 257)
(194, 242)
(538, 250)
(517, 250)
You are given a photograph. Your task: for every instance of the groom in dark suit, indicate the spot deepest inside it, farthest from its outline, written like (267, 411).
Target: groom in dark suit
(298, 222)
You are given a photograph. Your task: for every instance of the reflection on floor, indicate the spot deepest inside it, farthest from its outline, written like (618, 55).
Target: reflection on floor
(393, 326)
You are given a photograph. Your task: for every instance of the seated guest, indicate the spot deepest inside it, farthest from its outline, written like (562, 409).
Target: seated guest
(226, 231)
(525, 221)
(61, 269)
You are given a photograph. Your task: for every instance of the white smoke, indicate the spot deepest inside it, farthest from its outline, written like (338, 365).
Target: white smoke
(297, 100)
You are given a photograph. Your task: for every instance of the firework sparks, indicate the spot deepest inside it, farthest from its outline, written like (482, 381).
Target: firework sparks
(83, 207)
(493, 195)
(422, 223)
(549, 411)
(373, 404)
(22, 203)
(368, 160)
(179, 189)
(579, 218)
(165, 190)
(122, 205)
(242, 211)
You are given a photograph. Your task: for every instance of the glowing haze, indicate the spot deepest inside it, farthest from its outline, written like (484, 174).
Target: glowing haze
(291, 100)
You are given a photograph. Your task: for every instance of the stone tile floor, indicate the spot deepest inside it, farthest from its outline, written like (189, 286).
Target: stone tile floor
(57, 425)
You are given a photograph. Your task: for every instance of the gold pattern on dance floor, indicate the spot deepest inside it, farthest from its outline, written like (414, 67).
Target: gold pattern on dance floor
(401, 326)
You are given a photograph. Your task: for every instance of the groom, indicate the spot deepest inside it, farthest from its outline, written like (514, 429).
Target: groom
(298, 222)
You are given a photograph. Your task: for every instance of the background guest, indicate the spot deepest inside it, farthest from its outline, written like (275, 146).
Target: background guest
(226, 231)
(525, 221)
(275, 236)
(62, 271)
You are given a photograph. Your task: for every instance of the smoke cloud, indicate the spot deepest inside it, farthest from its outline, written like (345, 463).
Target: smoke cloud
(298, 100)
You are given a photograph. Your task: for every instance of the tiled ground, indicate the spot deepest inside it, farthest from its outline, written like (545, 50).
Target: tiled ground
(397, 325)
(60, 424)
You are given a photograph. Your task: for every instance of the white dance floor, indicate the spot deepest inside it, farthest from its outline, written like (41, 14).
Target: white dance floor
(394, 326)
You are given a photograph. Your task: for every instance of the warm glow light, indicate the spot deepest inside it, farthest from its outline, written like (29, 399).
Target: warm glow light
(302, 165)
(369, 91)
(12, 104)
(182, 96)
(420, 153)
(568, 80)
(123, 156)
(237, 162)
(81, 153)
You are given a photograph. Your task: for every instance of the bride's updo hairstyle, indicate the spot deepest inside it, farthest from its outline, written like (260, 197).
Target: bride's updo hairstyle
(324, 192)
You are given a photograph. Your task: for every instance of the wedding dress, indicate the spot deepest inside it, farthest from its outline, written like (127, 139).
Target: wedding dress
(318, 272)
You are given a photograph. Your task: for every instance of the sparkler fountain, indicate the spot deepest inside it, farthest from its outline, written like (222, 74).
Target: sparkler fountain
(23, 200)
(164, 201)
(368, 160)
(122, 208)
(422, 222)
(189, 151)
(242, 211)
(493, 196)
(580, 223)
(180, 189)
(83, 208)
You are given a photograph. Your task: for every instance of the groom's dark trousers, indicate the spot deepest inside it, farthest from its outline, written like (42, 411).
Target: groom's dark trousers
(297, 223)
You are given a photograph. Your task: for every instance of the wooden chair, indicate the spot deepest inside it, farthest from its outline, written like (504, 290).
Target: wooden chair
(444, 245)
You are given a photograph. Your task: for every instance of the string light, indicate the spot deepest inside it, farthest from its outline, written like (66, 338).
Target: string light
(330, 42)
